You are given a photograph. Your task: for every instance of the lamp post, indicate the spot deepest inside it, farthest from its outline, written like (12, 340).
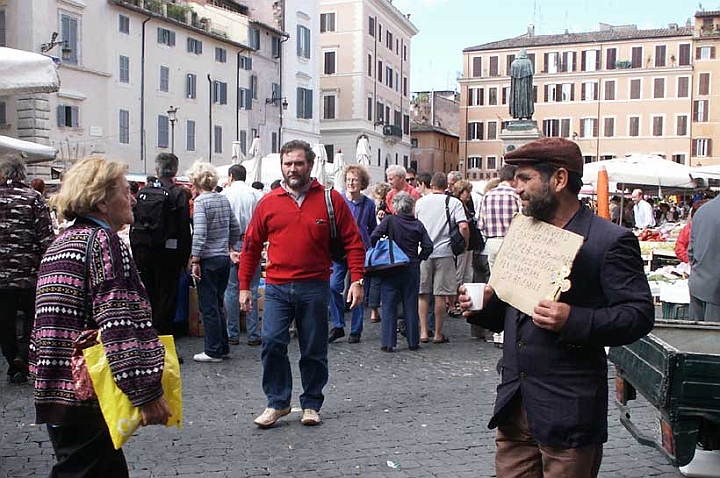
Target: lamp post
(283, 103)
(66, 50)
(172, 117)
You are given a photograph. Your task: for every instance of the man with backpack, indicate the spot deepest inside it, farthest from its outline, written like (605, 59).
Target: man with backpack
(160, 239)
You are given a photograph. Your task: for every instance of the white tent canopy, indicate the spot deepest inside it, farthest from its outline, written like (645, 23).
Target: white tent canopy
(319, 167)
(23, 72)
(270, 170)
(641, 169)
(32, 152)
(707, 172)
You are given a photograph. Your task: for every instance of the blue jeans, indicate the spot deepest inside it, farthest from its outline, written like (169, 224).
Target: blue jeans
(337, 307)
(232, 304)
(305, 302)
(211, 289)
(401, 287)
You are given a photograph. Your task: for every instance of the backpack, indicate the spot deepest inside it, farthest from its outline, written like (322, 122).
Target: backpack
(154, 218)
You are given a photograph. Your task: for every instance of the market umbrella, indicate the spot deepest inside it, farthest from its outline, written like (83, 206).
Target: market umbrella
(603, 194)
(23, 72)
(641, 169)
(362, 154)
(32, 152)
(320, 160)
(255, 156)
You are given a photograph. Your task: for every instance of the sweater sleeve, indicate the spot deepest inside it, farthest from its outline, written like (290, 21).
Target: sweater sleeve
(122, 311)
(199, 228)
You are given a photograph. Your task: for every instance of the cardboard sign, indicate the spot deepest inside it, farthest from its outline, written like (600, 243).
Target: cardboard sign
(533, 263)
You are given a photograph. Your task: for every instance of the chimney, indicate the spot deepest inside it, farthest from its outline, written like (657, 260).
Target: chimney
(673, 26)
(531, 30)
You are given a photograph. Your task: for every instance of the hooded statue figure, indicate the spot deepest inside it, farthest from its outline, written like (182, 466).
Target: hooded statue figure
(522, 105)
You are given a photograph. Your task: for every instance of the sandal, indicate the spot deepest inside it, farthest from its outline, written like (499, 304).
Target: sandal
(442, 340)
(424, 340)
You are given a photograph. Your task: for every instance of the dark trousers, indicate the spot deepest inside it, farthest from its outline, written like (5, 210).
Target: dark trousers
(160, 277)
(14, 332)
(211, 295)
(401, 288)
(86, 451)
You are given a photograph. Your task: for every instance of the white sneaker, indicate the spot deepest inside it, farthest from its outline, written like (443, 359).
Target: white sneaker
(203, 357)
(269, 416)
(310, 417)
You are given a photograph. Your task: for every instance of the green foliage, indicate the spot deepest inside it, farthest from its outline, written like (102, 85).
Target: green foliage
(178, 12)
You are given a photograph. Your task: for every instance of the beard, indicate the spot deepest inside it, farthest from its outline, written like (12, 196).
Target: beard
(297, 181)
(541, 205)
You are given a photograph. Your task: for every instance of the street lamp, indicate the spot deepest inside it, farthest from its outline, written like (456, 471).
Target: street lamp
(275, 100)
(66, 50)
(172, 116)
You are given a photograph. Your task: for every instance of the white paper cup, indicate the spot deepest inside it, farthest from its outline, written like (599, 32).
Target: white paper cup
(476, 291)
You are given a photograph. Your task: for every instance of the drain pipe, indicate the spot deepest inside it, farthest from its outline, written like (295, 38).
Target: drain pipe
(143, 153)
(210, 125)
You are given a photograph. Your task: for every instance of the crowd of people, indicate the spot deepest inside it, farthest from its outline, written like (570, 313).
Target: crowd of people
(117, 265)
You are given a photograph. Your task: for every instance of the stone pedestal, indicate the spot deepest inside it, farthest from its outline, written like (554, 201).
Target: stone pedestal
(519, 133)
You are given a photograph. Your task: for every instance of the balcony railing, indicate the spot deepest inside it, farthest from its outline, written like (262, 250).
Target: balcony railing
(392, 130)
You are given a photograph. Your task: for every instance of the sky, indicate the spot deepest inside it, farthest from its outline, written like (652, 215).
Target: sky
(448, 26)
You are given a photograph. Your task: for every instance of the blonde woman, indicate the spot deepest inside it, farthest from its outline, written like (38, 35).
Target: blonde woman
(216, 230)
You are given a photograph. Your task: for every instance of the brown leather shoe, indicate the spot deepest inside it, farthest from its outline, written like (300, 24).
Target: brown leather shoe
(269, 416)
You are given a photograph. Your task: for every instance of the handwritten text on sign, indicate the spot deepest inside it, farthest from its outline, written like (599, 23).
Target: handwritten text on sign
(533, 262)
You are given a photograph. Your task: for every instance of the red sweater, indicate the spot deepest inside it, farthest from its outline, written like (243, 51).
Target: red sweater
(299, 238)
(683, 241)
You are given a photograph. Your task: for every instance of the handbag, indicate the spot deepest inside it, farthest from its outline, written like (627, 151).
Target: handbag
(88, 337)
(457, 241)
(477, 241)
(385, 255)
(337, 250)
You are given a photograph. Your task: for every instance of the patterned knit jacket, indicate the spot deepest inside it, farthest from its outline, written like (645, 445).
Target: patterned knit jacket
(121, 309)
(25, 232)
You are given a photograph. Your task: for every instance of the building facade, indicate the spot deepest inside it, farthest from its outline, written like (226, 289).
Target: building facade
(434, 128)
(365, 79)
(706, 94)
(616, 91)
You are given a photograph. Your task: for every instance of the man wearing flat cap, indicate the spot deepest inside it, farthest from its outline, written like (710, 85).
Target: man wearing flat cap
(551, 406)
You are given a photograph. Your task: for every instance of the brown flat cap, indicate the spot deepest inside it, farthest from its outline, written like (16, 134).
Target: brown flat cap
(558, 151)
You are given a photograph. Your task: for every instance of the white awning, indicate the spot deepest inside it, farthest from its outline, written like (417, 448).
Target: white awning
(32, 152)
(23, 72)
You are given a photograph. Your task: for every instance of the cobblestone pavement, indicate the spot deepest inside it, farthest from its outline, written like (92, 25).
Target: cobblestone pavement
(406, 414)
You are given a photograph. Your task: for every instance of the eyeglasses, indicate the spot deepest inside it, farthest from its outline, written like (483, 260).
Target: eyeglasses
(352, 180)
(411, 179)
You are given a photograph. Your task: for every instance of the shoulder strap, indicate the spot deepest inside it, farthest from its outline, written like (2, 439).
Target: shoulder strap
(87, 305)
(331, 213)
(391, 218)
(447, 211)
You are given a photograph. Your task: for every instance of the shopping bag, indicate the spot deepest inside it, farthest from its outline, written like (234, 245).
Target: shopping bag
(121, 417)
(195, 323)
(385, 255)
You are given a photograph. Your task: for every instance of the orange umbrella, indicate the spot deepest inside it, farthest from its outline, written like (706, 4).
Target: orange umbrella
(603, 194)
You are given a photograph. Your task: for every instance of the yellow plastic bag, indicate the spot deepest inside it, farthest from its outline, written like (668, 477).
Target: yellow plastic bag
(122, 418)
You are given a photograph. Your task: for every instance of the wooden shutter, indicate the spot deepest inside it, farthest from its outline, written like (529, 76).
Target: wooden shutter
(493, 66)
(712, 55)
(574, 61)
(171, 39)
(595, 127)
(546, 60)
(546, 90)
(300, 103)
(611, 58)
(697, 53)
(572, 91)
(299, 42)
(708, 150)
(596, 93)
(583, 61)
(582, 91)
(60, 115)
(308, 103)
(558, 92)
(477, 67)
(160, 35)
(704, 87)
(684, 54)
(598, 54)
(694, 147)
(508, 61)
(481, 96)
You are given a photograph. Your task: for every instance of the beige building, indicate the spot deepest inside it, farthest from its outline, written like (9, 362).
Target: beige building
(434, 127)
(616, 91)
(365, 79)
(705, 89)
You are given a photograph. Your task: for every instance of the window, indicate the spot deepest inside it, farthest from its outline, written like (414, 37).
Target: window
(369, 65)
(659, 88)
(123, 25)
(163, 129)
(475, 162)
(491, 162)
(657, 123)
(634, 126)
(124, 69)
(329, 59)
(371, 26)
(565, 127)
(190, 85)
(477, 96)
(3, 113)
(220, 55)
(413, 142)
(552, 62)
(683, 86)
(684, 54)
(551, 127)
(609, 90)
(165, 36)
(636, 58)
(380, 71)
(327, 22)
(219, 92)
(610, 58)
(588, 128)
(194, 46)
(508, 61)
(379, 31)
(590, 91)
(398, 118)
(635, 87)
(379, 112)
(389, 39)
(705, 53)
(505, 94)
(494, 71)
(245, 63)
(397, 80)
(609, 127)
(477, 67)
(660, 51)
(304, 103)
(405, 86)
(243, 141)
(190, 135)
(406, 124)
(701, 147)
(679, 158)
(404, 52)
(124, 127)
(682, 125)
(217, 139)
(492, 96)
(69, 26)
(475, 131)
(245, 98)
(3, 41)
(700, 111)
(303, 41)
(369, 108)
(329, 107)
(704, 84)
(590, 60)
(254, 37)
(68, 116)
(389, 76)
(274, 142)
(254, 86)
(275, 91)
(164, 78)
(492, 130)
(276, 45)
(559, 92)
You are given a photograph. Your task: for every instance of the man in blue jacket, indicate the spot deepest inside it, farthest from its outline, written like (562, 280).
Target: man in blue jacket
(551, 406)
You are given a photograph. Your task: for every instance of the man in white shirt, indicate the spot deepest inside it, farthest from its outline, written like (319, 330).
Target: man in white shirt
(243, 200)
(642, 211)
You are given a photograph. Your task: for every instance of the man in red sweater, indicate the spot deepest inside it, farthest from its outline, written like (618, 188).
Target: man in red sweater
(294, 220)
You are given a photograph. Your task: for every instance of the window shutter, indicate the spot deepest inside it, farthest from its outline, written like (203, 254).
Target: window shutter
(61, 115)
(160, 35)
(697, 53)
(75, 116)
(708, 151)
(308, 103)
(546, 58)
(572, 91)
(248, 99)
(545, 89)
(223, 92)
(558, 92)
(695, 111)
(596, 87)
(171, 39)
(481, 96)
(74, 45)
(583, 61)
(694, 147)
(582, 92)
(243, 141)
(706, 113)
(300, 104)
(597, 59)
(712, 57)
(595, 128)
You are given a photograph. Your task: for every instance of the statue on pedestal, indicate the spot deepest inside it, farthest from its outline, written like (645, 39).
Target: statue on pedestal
(522, 104)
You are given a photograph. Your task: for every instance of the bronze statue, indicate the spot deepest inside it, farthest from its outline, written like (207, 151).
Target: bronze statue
(522, 104)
